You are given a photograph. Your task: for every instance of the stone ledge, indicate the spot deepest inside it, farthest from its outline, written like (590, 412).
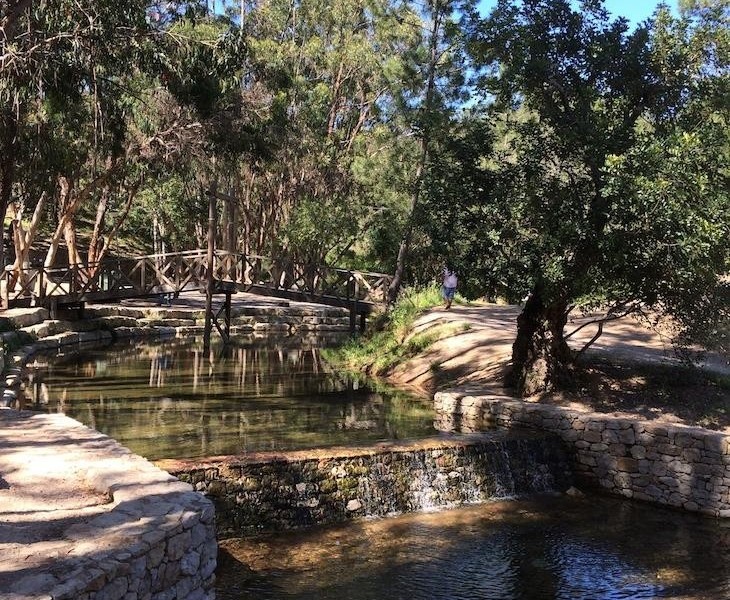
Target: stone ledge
(673, 465)
(152, 537)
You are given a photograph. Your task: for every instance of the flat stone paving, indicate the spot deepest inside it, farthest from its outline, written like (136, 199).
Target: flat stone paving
(60, 485)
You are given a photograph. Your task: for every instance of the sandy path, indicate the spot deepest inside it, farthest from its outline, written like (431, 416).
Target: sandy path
(478, 354)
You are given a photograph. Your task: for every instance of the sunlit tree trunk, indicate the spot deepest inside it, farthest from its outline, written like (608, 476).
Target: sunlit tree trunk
(541, 357)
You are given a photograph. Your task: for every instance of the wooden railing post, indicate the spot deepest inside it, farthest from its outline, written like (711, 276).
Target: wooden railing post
(209, 274)
(352, 297)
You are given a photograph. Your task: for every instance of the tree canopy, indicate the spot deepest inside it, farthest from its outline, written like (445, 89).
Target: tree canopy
(549, 150)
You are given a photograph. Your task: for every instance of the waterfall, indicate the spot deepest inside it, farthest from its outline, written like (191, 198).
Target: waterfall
(283, 491)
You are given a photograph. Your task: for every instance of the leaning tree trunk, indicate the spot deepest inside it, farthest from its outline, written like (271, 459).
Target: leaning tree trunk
(541, 357)
(404, 247)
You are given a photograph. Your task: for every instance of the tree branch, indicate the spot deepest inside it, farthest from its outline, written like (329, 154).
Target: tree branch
(610, 316)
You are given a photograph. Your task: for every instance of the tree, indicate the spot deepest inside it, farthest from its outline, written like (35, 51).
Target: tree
(607, 181)
(437, 78)
(108, 96)
(321, 77)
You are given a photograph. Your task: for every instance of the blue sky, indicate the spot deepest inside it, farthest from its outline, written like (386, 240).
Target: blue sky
(634, 10)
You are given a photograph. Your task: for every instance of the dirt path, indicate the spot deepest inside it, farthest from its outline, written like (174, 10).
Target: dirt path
(476, 354)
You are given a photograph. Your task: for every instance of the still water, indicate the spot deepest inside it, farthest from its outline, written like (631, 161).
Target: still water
(546, 548)
(171, 400)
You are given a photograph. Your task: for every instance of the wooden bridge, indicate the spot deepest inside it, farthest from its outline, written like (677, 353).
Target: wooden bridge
(153, 275)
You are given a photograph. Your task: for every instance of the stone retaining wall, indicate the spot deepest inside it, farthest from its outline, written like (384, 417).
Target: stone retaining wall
(265, 492)
(153, 539)
(672, 465)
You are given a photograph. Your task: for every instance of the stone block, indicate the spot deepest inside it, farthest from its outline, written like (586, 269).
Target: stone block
(155, 556)
(617, 449)
(676, 499)
(657, 430)
(659, 469)
(638, 452)
(592, 436)
(627, 436)
(610, 436)
(587, 459)
(691, 455)
(183, 588)
(639, 480)
(668, 449)
(627, 465)
(114, 590)
(654, 492)
(668, 482)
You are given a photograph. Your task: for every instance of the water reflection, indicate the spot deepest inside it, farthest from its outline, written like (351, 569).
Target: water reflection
(546, 548)
(170, 400)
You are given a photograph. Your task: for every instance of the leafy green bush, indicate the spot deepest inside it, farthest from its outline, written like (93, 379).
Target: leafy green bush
(388, 345)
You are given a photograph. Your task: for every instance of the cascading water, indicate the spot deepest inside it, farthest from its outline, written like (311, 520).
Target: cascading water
(301, 489)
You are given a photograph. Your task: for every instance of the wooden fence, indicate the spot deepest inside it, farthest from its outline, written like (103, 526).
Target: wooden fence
(145, 276)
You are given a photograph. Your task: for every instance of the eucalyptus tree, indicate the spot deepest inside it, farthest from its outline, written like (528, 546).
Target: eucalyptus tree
(321, 75)
(603, 179)
(107, 97)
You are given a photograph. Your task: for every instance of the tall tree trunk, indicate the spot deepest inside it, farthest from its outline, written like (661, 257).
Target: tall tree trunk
(24, 240)
(97, 241)
(405, 243)
(8, 129)
(541, 357)
(69, 235)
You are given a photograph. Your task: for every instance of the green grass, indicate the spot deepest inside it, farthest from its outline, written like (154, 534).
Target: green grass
(388, 344)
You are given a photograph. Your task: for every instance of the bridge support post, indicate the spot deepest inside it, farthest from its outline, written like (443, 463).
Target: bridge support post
(353, 305)
(209, 275)
(224, 331)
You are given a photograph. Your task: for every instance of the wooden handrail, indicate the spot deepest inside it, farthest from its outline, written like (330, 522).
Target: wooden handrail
(148, 275)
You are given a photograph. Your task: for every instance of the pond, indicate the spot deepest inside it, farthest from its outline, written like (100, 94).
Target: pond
(588, 548)
(171, 400)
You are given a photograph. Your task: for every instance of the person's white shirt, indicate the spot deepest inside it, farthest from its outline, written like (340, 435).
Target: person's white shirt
(450, 280)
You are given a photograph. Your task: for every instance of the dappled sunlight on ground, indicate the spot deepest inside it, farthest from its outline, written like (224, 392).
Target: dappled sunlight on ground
(631, 369)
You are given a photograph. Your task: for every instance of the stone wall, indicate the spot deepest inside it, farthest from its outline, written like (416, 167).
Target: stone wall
(286, 319)
(672, 465)
(85, 519)
(264, 492)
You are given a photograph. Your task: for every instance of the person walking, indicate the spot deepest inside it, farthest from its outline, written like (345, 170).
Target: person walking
(449, 286)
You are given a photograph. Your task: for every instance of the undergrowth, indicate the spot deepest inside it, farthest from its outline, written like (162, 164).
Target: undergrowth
(387, 344)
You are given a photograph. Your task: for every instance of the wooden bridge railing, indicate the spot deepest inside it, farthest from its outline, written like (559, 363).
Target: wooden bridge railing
(151, 275)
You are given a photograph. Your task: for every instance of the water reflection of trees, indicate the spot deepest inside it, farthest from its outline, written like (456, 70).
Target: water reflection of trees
(173, 399)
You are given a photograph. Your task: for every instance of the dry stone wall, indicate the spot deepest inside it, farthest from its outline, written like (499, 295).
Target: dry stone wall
(126, 531)
(678, 466)
(267, 492)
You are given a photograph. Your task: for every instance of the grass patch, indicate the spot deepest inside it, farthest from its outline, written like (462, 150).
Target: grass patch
(388, 344)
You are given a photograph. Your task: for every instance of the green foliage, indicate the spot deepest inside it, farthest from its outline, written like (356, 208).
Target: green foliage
(595, 171)
(382, 349)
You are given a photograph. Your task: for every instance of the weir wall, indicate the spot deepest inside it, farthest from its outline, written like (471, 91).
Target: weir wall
(276, 491)
(683, 467)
